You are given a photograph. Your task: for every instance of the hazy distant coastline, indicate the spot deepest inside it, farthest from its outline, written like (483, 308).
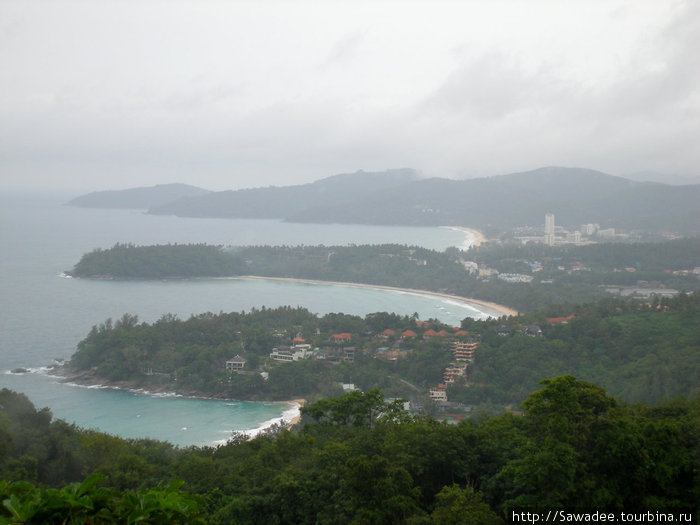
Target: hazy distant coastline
(401, 197)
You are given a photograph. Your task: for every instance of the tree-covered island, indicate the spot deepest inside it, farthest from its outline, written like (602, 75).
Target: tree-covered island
(523, 277)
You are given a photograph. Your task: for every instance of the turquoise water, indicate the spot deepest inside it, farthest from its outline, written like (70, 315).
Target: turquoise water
(43, 316)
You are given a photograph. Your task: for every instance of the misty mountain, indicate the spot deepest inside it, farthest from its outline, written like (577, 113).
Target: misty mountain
(399, 197)
(137, 198)
(276, 202)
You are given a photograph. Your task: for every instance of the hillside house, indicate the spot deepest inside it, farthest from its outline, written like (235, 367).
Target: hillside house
(386, 334)
(439, 393)
(390, 354)
(502, 330)
(341, 338)
(429, 333)
(453, 372)
(464, 350)
(287, 354)
(236, 364)
(532, 330)
(336, 355)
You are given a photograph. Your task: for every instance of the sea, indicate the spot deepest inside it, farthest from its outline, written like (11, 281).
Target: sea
(44, 314)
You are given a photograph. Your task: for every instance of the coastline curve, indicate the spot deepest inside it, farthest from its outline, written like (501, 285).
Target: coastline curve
(501, 309)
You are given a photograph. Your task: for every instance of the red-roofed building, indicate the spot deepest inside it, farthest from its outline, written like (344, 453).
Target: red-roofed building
(408, 333)
(388, 333)
(344, 337)
(461, 333)
(560, 320)
(299, 340)
(442, 333)
(430, 333)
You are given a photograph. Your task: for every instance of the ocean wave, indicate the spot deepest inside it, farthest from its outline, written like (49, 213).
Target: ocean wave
(462, 304)
(64, 275)
(88, 387)
(159, 395)
(290, 414)
(41, 370)
(469, 237)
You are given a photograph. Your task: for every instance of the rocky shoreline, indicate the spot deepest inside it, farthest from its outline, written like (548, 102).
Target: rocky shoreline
(88, 378)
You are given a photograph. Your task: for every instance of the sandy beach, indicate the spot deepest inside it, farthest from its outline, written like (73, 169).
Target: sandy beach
(478, 236)
(502, 310)
(296, 419)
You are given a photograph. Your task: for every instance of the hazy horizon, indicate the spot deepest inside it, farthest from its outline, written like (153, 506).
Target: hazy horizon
(231, 95)
(71, 192)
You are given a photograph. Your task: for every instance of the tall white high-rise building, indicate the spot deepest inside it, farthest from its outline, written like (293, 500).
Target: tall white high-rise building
(549, 229)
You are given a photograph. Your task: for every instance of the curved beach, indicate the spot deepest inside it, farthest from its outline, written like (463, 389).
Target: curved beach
(501, 309)
(477, 236)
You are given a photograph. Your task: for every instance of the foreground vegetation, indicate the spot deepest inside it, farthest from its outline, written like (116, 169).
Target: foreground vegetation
(357, 459)
(568, 274)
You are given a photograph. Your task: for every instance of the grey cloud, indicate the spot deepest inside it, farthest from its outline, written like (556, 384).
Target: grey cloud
(489, 87)
(344, 50)
(665, 75)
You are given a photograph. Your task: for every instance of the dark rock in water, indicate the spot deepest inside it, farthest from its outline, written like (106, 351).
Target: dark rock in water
(19, 371)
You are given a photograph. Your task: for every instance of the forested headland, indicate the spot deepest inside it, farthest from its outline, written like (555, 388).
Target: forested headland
(558, 275)
(638, 351)
(361, 459)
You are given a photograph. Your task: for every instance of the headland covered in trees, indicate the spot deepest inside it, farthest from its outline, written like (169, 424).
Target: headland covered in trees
(286, 353)
(521, 277)
(637, 350)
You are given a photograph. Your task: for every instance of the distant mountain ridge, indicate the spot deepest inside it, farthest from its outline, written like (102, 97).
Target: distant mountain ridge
(137, 198)
(400, 197)
(283, 202)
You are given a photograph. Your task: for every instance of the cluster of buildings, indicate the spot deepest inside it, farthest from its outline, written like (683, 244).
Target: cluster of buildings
(300, 350)
(297, 352)
(463, 354)
(556, 235)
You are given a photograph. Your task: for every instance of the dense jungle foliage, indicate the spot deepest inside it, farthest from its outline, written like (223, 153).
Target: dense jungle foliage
(127, 261)
(572, 274)
(357, 459)
(638, 351)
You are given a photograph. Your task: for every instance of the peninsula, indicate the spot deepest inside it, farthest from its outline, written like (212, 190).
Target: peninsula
(506, 277)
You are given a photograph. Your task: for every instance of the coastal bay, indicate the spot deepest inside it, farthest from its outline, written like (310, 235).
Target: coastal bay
(44, 316)
(487, 307)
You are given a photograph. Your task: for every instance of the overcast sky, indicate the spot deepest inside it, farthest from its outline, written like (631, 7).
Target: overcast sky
(112, 94)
